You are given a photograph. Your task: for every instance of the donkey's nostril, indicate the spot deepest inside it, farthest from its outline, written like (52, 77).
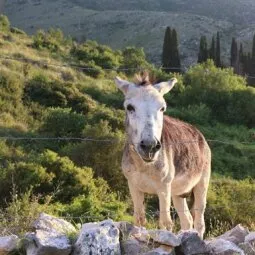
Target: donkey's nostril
(158, 146)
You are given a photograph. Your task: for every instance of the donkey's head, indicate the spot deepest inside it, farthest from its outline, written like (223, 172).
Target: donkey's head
(145, 106)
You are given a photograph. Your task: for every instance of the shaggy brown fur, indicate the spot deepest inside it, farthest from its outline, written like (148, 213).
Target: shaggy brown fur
(186, 143)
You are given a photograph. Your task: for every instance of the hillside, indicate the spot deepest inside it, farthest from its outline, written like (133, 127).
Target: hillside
(140, 23)
(56, 95)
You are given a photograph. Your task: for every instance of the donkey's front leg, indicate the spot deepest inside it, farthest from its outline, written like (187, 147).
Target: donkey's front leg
(165, 221)
(138, 201)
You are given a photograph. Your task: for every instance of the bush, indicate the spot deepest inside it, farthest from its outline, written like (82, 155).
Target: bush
(222, 91)
(230, 202)
(100, 55)
(64, 123)
(4, 23)
(51, 40)
(52, 93)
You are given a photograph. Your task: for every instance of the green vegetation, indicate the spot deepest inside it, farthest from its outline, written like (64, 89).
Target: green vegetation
(41, 98)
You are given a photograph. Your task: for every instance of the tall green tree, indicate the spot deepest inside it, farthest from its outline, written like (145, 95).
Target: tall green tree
(176, 62)
(203, 51)
(212, 49)
(234, 53)
(166, 54)
(217, 55)
(253, 47)
(170, 56)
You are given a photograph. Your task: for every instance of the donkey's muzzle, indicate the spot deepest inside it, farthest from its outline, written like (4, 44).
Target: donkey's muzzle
(149, 148)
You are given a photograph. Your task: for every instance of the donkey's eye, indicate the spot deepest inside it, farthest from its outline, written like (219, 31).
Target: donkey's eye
(162, 109)
(130, 108)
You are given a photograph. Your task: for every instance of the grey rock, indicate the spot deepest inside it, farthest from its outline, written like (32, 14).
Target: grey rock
(191, 244)
(133, 246)
(98, 238)
(47, 243)
(250, 238)
(235, 235)
(50, 223)
(141, 234)
(247, 248)
(224, 247)
(164, 237)
(161, 250)
(126, 229)
(8, 244)
(49, 236)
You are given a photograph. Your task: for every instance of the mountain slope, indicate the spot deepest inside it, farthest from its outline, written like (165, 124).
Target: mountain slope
(140, 23)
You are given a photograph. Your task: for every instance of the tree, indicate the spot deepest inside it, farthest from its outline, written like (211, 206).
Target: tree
(253, 47)
(176, 62)
(212, 49)
(166, 48)
(170, 55)
(203, 52)
(233, 53)
(217, 55)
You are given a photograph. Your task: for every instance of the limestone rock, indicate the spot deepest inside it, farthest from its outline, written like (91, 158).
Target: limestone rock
(250, 238)
(133, 246)
(50, 223)
(98, 238)
(140, 234)
(164, 237)
(47, 243)
(224, 247)
(49, 236)
(247, 248)
(161, 250)
(8, 244)
(235, 235)
(126, 229)
(191, 244)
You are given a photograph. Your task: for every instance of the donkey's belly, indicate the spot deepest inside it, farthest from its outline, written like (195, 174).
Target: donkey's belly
(148, 183)
(184, 184)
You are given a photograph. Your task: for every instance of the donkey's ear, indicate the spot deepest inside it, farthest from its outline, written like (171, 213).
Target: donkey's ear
(166, 86)
(123, 85)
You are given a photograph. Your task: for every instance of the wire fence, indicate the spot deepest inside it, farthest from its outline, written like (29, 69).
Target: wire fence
(117, 69)
(97, 140)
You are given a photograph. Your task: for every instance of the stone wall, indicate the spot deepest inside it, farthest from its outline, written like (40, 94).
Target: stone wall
(54, 236)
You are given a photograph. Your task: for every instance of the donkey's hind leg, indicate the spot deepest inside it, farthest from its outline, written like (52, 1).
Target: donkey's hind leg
(186, 220)
(200, 193)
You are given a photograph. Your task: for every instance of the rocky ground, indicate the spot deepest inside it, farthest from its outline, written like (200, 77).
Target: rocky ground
(54, 236)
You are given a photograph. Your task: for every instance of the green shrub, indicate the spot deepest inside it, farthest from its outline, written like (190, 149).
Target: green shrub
(61, 122)
(222, 91)
(102, 56)
(4, 23)
(51, 40)
(53, 93)
(17, 31)
(230, 202)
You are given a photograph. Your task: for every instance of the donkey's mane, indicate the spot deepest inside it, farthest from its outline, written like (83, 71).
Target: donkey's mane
(144, 79)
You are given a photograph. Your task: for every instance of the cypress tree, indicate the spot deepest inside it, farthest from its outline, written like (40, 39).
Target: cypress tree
(175, 60)
(240, 60)
(217, 57)
(212, 50)
(233, 53)
(203, 52)
(253, 48)
(166, 55)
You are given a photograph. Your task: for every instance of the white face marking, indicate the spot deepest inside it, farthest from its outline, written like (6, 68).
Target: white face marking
(144, 108)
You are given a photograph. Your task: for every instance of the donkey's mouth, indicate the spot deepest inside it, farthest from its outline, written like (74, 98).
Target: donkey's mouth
(148, 160)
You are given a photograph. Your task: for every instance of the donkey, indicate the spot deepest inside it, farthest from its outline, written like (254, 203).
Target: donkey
(163, 156)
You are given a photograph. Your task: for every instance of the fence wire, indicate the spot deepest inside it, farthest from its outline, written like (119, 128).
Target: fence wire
(90, 139)
(117, 69)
